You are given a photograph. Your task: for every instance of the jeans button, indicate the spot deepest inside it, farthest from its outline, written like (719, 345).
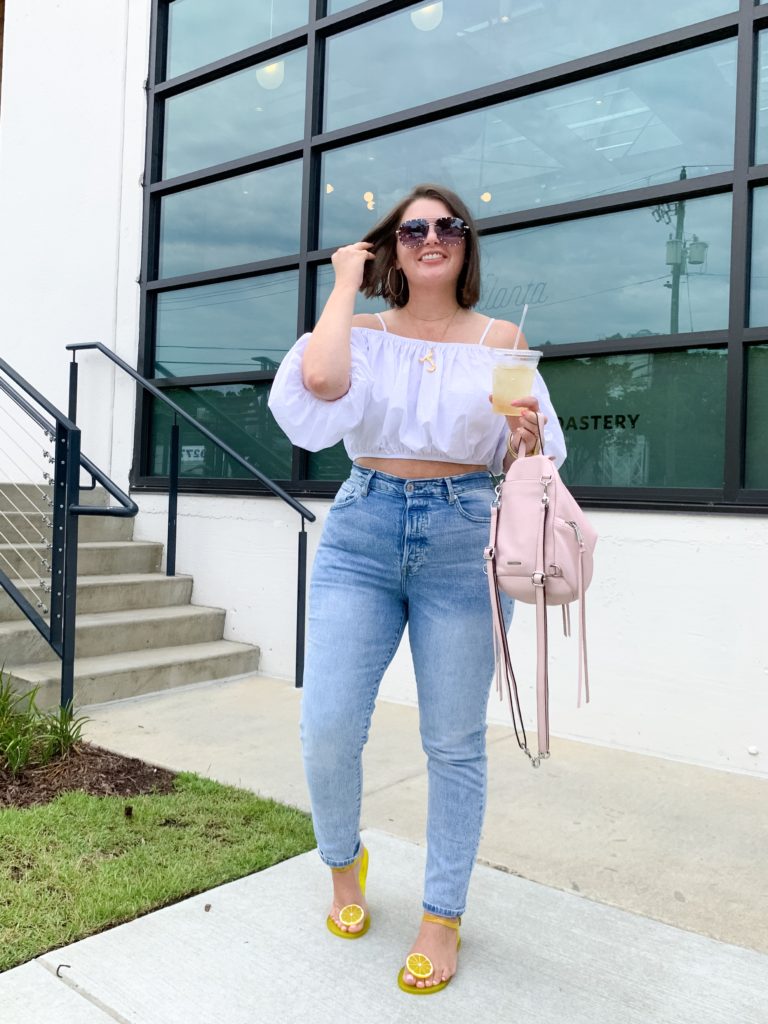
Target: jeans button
(409, 488)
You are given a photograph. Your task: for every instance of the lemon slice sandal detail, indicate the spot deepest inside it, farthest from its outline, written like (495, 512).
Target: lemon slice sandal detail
(421, 966)
(353, 913)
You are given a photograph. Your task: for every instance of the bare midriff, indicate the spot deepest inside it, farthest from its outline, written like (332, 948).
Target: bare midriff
(416, 469)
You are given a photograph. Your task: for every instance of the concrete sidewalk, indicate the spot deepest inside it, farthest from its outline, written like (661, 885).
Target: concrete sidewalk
(671, 841)
(624, 859)
(261, 953)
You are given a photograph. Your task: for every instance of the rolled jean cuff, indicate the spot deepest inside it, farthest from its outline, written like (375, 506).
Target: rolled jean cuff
(432, 908)
(339, 863)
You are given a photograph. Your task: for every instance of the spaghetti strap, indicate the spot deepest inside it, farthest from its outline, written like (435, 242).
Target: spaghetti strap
(488, 326)
(381, 321)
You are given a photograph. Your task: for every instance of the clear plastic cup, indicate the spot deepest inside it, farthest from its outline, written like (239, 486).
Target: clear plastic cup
(513, 374)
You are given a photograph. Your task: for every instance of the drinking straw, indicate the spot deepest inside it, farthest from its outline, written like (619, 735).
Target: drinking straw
(520, 326)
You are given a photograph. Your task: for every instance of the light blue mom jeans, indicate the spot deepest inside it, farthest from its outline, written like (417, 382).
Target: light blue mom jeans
(396, 551)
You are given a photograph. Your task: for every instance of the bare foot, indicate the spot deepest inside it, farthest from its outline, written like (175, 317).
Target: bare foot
(438, 942)
(346, 889)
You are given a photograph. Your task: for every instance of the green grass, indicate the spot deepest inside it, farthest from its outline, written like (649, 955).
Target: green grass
(79, 865)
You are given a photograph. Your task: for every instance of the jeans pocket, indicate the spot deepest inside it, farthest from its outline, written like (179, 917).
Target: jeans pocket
(476, 505)
(347, 495)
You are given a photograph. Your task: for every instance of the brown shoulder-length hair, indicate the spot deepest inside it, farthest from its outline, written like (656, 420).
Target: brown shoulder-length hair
(380, 276)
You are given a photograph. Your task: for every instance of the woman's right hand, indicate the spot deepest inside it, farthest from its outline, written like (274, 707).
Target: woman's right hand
(349, 264)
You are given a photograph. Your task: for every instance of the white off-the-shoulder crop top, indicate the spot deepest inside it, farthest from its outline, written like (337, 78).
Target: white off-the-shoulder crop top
(408, 399)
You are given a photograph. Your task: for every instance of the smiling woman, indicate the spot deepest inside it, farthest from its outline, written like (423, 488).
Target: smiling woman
(404, 540)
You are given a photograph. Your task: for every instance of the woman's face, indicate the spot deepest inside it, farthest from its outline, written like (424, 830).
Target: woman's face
(434, 262)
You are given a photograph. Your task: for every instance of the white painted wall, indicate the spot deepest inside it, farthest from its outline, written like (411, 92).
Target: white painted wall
(676, 614)
(70, 197)
(676, 623)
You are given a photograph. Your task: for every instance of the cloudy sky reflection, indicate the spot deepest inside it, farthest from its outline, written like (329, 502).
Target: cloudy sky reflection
(483, 42)
(624, 130)
(201, 31)
(237, 220)
(236, 116)
(228, 327)
(602, 276)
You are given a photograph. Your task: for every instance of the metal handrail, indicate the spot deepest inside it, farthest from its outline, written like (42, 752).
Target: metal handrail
(127, 507)
(276, 489)
(59, 633)
(173, 480)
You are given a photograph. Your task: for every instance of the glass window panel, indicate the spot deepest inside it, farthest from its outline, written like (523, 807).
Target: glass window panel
(325, 279)
(243, 113)
(228, 327)
(330, 464)
(238, 414)
(611, 277)
(628, 129)
(340, 5)
(444, 48)
(238, 220)
(756, 470)
(758, 292)
(761, 118)
(627, 422)
(201, 31)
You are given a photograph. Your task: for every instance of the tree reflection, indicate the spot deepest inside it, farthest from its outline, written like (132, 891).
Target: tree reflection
(642, 420)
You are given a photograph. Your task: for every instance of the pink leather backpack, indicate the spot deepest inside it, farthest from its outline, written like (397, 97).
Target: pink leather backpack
(539, 552)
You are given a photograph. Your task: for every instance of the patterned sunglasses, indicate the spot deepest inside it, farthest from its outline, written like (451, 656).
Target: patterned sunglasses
(449, 231)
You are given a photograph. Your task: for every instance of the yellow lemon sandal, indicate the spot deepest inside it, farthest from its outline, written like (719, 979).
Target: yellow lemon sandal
(352, 913)
(421, 966)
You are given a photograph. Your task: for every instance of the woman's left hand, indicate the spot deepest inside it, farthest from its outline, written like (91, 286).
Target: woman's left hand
(523, 427)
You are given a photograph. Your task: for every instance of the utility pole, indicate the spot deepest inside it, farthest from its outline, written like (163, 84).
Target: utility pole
(679, 266)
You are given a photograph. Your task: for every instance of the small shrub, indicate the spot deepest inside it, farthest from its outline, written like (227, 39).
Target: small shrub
(61, 731)
(29, 736)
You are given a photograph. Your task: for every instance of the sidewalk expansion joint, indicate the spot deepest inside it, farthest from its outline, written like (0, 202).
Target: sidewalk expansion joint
(59, 972)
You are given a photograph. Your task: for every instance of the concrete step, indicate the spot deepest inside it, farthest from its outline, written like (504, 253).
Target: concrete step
(32, 497)
(107, 633)
(31, 527)
(22, 561)
(117, 676)
(111, 593)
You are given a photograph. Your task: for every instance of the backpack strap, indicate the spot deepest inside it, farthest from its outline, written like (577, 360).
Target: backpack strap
(504, 675)
(542, 647)
(583, 669)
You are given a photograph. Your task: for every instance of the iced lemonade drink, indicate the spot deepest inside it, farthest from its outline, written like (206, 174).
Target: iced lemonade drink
(513, 375)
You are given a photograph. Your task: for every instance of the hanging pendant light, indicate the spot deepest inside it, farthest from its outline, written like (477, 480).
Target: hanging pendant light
(427, 18)
(271, 76)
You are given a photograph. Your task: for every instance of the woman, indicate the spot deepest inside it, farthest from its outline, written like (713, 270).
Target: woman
(404, 540)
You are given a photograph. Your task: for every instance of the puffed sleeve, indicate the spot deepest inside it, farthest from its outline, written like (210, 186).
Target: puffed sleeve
(311, 422)
(554, 442)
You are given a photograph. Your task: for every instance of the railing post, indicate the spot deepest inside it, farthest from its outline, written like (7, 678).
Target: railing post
(301, 603)
(72, 407)
(58, 538)
(173, 495)
(69, 605)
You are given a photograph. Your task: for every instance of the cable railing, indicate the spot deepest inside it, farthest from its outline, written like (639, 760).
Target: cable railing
(39, 514)
(173, 480)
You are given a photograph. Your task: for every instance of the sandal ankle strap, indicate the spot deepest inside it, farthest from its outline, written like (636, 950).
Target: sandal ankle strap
(448, 922)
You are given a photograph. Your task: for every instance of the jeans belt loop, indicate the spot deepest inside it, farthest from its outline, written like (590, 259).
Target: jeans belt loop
(366, 482)
(450, 490)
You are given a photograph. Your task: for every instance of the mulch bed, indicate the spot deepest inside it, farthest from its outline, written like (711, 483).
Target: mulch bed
(91, 769)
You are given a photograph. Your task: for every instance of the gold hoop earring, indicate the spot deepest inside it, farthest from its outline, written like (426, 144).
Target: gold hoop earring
(395, 295)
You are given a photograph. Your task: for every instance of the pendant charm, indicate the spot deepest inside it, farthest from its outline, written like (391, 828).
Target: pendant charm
(429, 359)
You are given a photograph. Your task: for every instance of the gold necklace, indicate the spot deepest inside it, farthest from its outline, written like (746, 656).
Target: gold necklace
(428, 360)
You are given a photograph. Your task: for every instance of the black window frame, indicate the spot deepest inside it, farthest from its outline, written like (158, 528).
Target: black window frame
(743, 24)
